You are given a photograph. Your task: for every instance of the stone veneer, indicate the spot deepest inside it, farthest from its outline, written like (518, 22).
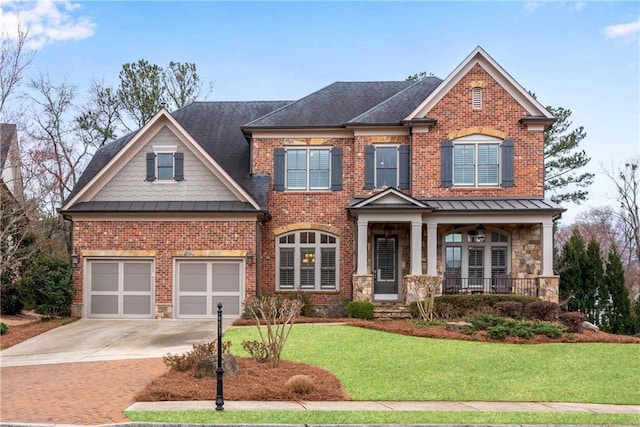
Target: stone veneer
(363, 287)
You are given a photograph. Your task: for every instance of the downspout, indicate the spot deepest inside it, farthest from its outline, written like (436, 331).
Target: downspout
(257, 257)
(410, 160)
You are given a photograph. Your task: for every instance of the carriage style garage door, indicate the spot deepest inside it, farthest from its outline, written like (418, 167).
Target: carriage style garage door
(120, 288)
(202, 284)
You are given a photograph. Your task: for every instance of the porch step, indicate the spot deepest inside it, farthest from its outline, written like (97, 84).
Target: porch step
(390, 311)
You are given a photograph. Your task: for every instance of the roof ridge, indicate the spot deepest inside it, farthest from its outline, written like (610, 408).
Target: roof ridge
(353, 120)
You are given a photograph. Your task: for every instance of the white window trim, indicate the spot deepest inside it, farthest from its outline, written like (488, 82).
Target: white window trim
(375, 171)
(317, 246)
(165, 149)
(487, 245)
(308, 180)
(477, 140)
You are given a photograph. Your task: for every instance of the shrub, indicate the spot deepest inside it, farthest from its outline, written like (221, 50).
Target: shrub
(48, 280)
(572, 320)
(3, 328)
(542, 310)
(301, 384)
(360, 310)
(444, 310)
(308, 309)
(512, 309)
(486, 321)
(190, 359)
(257, 350)
(469, 305)
(548, 329)
(10, 298)
(337, 307)
(274, 316)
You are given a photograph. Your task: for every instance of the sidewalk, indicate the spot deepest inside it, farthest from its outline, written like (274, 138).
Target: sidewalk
(208, 405)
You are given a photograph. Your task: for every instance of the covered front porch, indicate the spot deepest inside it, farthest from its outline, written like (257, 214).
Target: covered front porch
(461, 248)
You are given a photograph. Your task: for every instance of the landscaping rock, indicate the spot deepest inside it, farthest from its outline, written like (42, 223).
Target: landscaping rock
(207, 367)
(463, 327)
(590, 326)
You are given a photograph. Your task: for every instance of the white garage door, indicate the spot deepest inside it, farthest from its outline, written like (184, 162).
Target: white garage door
(201, 285)
(120, 289)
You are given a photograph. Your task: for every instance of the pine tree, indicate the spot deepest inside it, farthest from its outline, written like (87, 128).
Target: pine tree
(596, 295)
(618, 317)
(570, 265)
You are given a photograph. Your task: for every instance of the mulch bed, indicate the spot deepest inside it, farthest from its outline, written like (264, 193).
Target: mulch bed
(23, 327)
(254, 381)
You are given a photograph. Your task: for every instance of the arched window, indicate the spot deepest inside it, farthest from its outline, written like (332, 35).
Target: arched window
(307, 260)
(476, 255)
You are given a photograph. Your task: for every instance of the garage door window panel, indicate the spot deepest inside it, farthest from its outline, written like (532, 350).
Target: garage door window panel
(120, 288)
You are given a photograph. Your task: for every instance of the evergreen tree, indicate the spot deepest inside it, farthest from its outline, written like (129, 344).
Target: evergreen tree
(570, 264)
(618, 317)
(596, 295)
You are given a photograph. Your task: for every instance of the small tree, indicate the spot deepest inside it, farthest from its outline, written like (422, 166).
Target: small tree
(618, 317)
(570, 264)
(595, 292)
(274, 319)
(423, 290)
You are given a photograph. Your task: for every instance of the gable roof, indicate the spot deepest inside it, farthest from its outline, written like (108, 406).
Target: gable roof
(481, 57)
(331, 106)
(393, 110)
(215, 127)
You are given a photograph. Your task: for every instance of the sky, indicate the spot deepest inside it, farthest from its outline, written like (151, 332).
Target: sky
(584, 56)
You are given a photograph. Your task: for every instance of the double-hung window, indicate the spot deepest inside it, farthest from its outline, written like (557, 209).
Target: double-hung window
(386, 166)
(165, 163)
(476, 162)
(307, 168)
(307, 260)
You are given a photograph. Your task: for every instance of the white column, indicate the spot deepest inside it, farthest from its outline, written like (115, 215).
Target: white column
(547, 248)
(416, 247)
(432, 248)
(363, 224)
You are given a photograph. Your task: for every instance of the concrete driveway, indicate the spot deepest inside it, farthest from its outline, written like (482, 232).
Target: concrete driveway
(90, 340)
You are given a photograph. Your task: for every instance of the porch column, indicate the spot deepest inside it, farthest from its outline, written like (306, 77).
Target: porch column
(363, 224)
(432, 248)
(416, 247)
(547, 248)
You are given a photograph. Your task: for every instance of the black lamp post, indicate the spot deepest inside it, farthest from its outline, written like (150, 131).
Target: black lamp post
(219, 370)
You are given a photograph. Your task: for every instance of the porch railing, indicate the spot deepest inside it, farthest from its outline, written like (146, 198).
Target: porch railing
(493, 285)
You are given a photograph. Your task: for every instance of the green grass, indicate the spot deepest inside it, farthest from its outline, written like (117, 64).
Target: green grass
(379, 417)
(374, 365)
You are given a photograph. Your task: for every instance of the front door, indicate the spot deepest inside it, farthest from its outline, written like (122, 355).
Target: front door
(385, 284)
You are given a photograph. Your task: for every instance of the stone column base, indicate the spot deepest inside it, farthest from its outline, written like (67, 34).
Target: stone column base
(416, 286)
(549, 288)
(164, 311)
(362, 287)
(76, 310)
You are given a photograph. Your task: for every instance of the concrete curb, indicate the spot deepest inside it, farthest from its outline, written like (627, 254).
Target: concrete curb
(209, 405)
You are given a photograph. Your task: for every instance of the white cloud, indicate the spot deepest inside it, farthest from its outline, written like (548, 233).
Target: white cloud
(617, 31)
(47, 21)
(532, 6)
(577, 6)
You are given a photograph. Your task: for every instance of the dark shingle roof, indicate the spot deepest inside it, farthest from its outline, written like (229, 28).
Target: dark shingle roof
(399, 106)
(332, 105)
(216, 127)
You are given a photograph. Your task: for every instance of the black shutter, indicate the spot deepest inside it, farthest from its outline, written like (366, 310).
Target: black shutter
(446, 165)
(336, 169)
(507, 163)
(151, 167)
(278, 169)
(369, 167)
(179, 165)
(404, 167)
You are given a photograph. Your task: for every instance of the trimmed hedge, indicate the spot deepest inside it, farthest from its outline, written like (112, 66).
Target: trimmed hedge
(360, 310)
(456, 306)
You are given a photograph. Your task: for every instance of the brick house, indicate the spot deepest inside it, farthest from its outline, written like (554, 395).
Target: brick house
(356, 191)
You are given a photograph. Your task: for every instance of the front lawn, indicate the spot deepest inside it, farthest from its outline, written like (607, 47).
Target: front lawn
(374, 365)
(380, 417)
